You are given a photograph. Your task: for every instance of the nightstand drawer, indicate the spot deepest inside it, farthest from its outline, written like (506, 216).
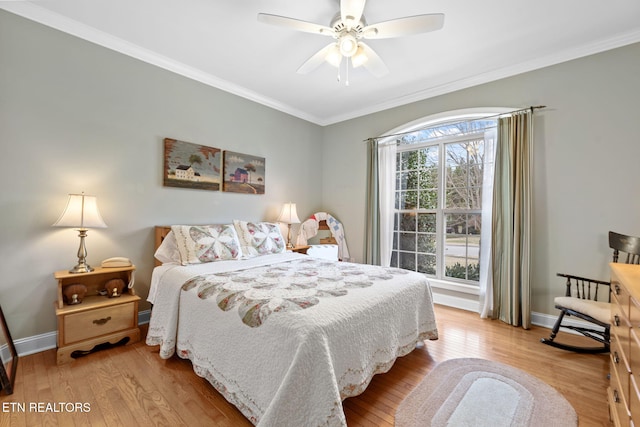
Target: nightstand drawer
(94, 323)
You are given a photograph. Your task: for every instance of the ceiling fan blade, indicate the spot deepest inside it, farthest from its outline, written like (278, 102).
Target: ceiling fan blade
(374, 64)
(296, 24)
(317, 59)
(351, 11)
(404, 26)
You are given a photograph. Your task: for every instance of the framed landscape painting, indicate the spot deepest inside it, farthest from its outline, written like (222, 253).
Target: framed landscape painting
(243, 173)
(190, 165)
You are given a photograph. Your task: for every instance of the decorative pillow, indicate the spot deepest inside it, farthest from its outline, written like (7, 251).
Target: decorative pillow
(206, 243)
(167, 252)
(259, 238)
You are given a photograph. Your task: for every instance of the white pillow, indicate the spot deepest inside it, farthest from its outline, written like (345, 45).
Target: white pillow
(206, 243)
(259, 238)
(167, 252)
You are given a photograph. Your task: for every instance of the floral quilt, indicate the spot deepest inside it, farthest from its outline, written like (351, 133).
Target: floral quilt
(286, 337)
(257, 293)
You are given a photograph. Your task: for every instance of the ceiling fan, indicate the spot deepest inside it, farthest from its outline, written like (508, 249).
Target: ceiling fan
(349, 27)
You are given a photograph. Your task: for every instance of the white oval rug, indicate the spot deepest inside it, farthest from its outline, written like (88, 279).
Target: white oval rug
(482, 393)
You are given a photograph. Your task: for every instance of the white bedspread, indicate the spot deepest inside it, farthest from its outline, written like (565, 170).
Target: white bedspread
(286, 353)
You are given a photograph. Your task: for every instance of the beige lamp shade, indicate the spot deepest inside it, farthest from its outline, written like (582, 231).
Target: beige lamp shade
(81, 212)
(289, 215)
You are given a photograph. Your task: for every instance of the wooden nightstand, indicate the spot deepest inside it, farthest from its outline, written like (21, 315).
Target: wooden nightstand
(302, 249)
(97, 319)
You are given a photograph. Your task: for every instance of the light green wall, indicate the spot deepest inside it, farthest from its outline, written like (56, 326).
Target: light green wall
(586, 157)
(78, 117)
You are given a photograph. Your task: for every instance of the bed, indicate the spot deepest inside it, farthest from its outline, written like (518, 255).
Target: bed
(283, 336)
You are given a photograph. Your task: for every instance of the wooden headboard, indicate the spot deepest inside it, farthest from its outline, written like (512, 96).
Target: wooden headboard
(161, 232)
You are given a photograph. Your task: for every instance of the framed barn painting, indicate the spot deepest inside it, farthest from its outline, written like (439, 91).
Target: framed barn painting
(190, 165)
(243, 173)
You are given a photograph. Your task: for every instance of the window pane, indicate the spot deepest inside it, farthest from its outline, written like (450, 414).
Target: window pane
(429, 177)
(475, 198)
(474, 227)
(427, 264)
(429, 199)
(456, 223)
(409, 180)
(457, 198)
(402, 181)
(408, 200)
(474, 224)
(407, 261)
(427, 243)
(455, 257)
(429, 157)
(462, 247)
(407, 222)
(409, 161)
(408, 242)
(427, 222)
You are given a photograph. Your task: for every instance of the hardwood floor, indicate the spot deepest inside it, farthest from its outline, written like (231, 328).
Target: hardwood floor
(131, 385)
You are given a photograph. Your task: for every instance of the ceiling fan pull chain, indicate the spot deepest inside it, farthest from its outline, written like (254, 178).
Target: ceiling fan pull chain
(346, 65)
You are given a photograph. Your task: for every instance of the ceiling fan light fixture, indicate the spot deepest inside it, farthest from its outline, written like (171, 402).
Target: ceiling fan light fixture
(348, 45)
(359, 58)
(334, 57)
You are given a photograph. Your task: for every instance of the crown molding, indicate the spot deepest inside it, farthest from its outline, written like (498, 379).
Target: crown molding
(493, 75)
(56, 21)
(43, 16)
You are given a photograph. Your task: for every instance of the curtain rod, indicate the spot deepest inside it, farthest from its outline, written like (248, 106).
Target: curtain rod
(530, 108)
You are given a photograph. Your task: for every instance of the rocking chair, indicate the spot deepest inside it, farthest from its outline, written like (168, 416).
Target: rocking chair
(582, 299)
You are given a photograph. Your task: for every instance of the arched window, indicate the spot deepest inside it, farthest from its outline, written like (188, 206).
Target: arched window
(439, 176)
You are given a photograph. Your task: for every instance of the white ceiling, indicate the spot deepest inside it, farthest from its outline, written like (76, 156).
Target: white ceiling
(221, 43)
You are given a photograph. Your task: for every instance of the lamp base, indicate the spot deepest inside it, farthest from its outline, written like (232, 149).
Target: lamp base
(289, 244)
(81, 268)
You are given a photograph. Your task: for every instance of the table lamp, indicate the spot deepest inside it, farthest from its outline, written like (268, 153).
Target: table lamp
(289, 216)
(81, 213)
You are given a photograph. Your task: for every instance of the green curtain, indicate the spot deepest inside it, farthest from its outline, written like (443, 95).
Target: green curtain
(372, 231)
(511, 225)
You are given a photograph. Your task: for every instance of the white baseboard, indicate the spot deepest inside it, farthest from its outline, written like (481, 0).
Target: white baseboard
(548, 320)
(538, 319)
(456, 302)
(47, 341)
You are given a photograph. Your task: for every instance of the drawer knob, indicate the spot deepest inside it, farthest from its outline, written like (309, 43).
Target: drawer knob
(616, 398)
(102, 321)
(617, 289)
(616, 320)
(616, 357)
